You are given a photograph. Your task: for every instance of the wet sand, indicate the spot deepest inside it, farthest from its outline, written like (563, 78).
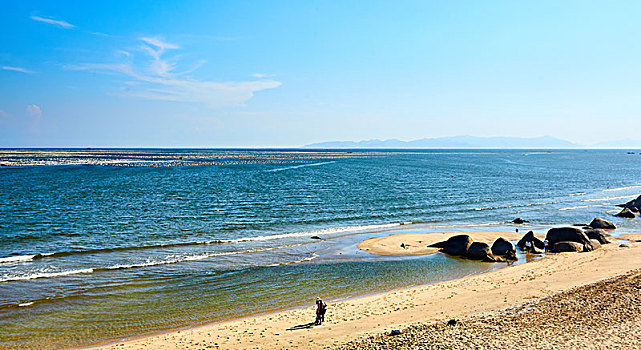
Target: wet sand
(361, 318)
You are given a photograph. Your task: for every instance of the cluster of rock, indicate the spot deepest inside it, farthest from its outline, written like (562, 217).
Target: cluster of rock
(630, 209)
(569, 239)
(561, 239)
(464, 246)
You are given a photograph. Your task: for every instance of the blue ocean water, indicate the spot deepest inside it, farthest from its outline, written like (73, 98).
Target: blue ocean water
(97, 245)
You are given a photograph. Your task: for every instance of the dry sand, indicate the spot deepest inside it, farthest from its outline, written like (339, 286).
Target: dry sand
(367, 316)
(417, 243)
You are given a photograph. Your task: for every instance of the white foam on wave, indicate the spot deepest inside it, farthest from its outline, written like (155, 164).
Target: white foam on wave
(149, 263)
(576, 194)
(513, 206)
(45, 275)
(622, 188)
(582, 206)
(298, 166)
(607, 198)
(26, 304)
(321, 232)
(18, 258)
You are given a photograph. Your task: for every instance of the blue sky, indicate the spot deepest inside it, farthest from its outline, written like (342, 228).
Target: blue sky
(288, 73)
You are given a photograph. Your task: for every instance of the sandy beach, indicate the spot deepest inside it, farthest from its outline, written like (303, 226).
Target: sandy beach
(363, 319)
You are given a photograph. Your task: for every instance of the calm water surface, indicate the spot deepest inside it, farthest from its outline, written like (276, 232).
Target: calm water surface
(97, 245)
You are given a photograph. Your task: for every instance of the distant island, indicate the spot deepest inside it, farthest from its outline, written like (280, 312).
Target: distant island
(476, 142)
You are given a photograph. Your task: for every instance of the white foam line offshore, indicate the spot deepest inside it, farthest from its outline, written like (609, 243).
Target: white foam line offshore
(321, 232)
(45, 275)
(622, 188)
(583, 206)
(607, 198)
(299, 166)
(18, 258)
(576, 194)
(145, 264)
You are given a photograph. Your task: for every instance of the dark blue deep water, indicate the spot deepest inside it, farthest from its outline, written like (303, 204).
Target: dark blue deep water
(97, 245)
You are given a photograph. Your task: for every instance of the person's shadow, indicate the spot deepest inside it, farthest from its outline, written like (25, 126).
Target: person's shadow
(302, 326)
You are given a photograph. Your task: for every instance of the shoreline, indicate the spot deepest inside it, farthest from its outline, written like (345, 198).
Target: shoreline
(363, 316)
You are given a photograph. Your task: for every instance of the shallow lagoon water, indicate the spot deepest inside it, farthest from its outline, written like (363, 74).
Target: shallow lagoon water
(99, 252)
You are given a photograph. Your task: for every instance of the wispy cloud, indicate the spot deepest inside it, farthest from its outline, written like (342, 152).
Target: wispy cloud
(3, 113)
(34, 111)
(261, 75)
(63, 24)
(157, 80)
(17, 69)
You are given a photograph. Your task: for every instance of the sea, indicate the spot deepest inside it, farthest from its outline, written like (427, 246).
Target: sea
(100, 245)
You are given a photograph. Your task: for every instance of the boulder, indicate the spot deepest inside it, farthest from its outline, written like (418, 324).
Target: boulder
(480, 251)
(505, 248)
(567, 246)
(626, 213)
(598, 234)
(600, 223)
(568, 234)
(315, 237)
(457, 245)
(519, 221)
(537, 243)
(622, 245)
(595, 244)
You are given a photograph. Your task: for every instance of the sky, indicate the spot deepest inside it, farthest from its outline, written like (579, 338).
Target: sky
(289, 73)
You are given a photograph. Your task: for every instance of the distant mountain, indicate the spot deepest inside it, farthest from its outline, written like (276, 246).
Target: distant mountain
(545, 142)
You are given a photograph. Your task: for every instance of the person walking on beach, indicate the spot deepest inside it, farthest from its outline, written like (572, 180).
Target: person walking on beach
(321, 308)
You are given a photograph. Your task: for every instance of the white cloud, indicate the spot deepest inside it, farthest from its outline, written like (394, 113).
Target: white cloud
(63, 24)
(17, 69)
(260, 75)
(161, 83)
(34, 110)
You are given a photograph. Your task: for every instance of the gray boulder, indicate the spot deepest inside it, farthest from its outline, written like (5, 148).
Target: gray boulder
(529, 237)
(598, 234)
(595, 244)
(568, 234)
(567, 246)
(503, 247)
(457, 245)
(626, 213)
(600, 223)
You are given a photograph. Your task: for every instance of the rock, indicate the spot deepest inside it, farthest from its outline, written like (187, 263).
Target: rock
(315, 237)
(597, 234)
(505, 248)
(626, 213)
(452, 322)
(600, 223)
(519, 221)
(567, 246)
(395, 332)
(568, 234)
(624, 246)
(457, 245)
(529, 237)
(595, 244)
(480, 251)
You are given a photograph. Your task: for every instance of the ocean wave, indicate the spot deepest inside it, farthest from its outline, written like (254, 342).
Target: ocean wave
(310, 258)
(45, 275)
(320, 232)
(170, 260)
(576, 194)
(622, 188)
(582, 206)
(298, 166)
(607, 198)
(19, 258)
(513, 206)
